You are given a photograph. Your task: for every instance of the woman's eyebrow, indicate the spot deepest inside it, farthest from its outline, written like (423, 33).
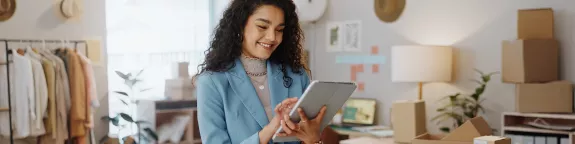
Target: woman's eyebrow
(264, 20)
(268, 21)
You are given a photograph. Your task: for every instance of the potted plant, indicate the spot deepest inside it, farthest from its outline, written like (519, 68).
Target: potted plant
(122, 119)
(461, 107)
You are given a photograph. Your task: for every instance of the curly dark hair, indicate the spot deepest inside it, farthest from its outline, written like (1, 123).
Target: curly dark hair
(226, 45)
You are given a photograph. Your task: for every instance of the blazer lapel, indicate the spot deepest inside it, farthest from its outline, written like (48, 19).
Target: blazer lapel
(242, 86)
(278, 92)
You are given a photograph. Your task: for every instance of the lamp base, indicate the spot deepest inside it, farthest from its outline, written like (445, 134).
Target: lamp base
(408, 120)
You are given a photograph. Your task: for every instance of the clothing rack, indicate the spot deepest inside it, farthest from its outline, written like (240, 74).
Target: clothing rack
(7, 64)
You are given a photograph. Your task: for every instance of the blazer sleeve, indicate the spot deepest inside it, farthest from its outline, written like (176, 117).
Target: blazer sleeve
(305, 80)
(211, 115)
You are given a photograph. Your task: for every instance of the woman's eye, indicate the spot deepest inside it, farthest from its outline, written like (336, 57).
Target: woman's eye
(281, 30)
(262, 27)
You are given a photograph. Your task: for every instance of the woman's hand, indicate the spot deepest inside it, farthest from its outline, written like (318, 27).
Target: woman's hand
(282, 108)
(308, 131)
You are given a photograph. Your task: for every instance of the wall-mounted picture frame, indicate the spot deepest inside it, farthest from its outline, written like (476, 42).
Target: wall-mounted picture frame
(334, 39)
(359, 111)
(351, 36)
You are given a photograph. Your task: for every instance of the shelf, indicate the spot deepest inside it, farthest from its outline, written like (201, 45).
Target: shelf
(187, 110)
(541, 115)
(4, 109)
(535, 130)
(197, 141)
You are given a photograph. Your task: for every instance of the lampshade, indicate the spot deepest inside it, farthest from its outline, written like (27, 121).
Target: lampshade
(414, 63)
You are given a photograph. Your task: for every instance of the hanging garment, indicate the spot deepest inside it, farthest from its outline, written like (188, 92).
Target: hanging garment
(62, 93)
(78, 116)
(22, 90)
(40, 94)
(60, 53)
(91, 91)
(50, 73)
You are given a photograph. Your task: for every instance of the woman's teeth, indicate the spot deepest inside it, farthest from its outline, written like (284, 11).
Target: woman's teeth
(265, 45)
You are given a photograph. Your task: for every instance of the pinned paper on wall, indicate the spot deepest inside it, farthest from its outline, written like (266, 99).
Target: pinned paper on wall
(94, 50)
(352, 36)
(334, 37)
(343, 36)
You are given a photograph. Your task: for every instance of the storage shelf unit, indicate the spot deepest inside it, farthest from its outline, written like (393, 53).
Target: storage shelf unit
(160, 112)
(515, 122)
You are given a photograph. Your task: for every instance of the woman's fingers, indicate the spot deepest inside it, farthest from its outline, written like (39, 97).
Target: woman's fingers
(302, 115)
(321, 113)
(289, 123)
(283, 134)
(285, 128)
(287, 103)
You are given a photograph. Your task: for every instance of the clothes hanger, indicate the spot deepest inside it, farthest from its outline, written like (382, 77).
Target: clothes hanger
(20, 50)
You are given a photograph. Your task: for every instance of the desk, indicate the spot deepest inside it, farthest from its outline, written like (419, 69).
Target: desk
(343, 134)
(368, 140)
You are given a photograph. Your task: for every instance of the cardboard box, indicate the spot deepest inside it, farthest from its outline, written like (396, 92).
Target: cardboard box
(179, 89)
(409, 120)
(435, 139)
(535, 23)
(552, 97)
(492, 140)
(180, 93)
(527, 61)
(179, 83)
(469, 130)
(180, 70)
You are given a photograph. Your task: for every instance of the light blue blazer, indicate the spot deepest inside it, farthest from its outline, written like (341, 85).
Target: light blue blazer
(229, 110)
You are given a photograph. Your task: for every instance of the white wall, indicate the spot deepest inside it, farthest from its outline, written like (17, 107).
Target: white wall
(474, 27)
(36, 19)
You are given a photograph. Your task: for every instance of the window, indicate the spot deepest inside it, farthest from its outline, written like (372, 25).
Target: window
(152, 35)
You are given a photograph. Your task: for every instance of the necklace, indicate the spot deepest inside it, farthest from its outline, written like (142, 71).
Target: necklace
(261, 85)
(254, 66)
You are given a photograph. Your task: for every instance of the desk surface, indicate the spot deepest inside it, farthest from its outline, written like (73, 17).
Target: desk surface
(353, 133)
(368, 140)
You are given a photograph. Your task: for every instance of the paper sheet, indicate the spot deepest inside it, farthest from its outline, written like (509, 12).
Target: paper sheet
(94, 50)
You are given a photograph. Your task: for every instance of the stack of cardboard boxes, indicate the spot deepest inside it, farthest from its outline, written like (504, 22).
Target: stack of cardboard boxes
(532, 63)
(179, 87)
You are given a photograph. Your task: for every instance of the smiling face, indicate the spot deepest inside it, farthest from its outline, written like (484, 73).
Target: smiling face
(263, 32)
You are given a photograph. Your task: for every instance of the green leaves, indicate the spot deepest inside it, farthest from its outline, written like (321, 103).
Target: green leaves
(123, 76)
(115, 120)
(127, 117)
(461, 107)
(147, 89)
(151, 133)
(122, 93)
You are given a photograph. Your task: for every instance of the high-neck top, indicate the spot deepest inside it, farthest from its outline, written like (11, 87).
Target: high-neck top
(256, 69)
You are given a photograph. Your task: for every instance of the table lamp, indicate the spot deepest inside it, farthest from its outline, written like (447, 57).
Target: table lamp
(415, 63)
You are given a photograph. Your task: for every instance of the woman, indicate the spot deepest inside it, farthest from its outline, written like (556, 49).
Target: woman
(252, 75)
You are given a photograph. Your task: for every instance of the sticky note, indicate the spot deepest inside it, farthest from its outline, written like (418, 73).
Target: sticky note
(353, 73)
(94, 50)
(360, 59)
(359, 68)
(375, 68)
(374, 50)
(361, 86)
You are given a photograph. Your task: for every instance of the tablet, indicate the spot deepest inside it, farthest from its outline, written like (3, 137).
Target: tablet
(319, 93)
